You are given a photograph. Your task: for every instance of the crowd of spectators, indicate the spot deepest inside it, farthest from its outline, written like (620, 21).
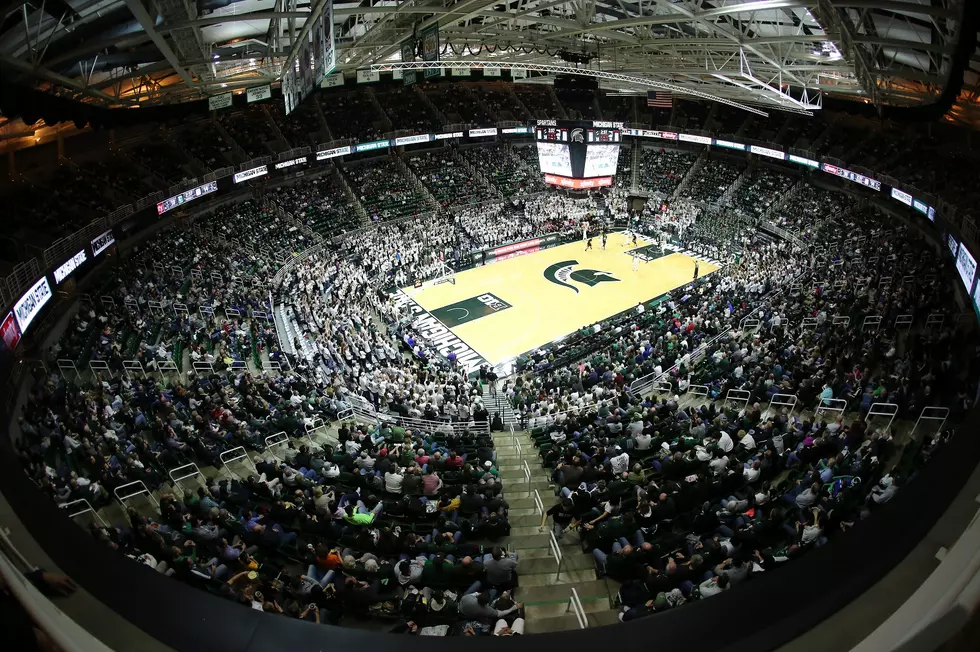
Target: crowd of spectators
(320, 204)
(677, 499)
(715, 177)
(509, 169)
(384, 191)
(448, 179)
(252, 130)
(662, 170)
(766, 188)
(161, 158)
(351, 115)
(810, 205)
(302, 126)
(459, 106)
(502, 102)
(407, 110)
(203, 141)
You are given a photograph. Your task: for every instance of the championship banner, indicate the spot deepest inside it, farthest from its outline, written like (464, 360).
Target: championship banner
(368, 76)
(397, 74)
(332, 81)
(461, 71)
(305, 70)
(430, 43)
(324, 53)
(217, 102)
(329, 47)
(518, 73)
(319, 72)
(408, 50)
(491, 72)
(410, 77)
(258, 93)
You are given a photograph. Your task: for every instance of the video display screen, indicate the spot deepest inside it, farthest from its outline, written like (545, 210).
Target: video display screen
(188, 195)
(966, 265)
(601, 160)
(554, 158)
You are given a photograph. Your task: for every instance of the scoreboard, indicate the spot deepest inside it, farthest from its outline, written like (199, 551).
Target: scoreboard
(572, 151)
(608, 136)
(552, 134)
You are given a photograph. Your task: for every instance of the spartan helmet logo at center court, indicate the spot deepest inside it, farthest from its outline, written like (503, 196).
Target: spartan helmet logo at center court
(561, 273)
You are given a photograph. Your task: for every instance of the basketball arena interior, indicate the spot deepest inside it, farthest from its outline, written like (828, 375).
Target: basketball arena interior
(580, 322)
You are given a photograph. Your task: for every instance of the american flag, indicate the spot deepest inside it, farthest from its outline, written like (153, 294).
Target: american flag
(660, 99)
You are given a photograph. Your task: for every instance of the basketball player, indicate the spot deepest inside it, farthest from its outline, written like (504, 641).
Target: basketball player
(604, 237)
(634, 238)
(636, 263)
(588, 244)
(696, 270)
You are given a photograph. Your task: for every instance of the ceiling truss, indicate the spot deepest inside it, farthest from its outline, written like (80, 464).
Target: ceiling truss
(769, 54)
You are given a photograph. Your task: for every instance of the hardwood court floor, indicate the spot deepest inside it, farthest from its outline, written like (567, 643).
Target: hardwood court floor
(541, 297)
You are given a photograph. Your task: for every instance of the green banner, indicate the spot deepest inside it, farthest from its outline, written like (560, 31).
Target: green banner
(409, 77)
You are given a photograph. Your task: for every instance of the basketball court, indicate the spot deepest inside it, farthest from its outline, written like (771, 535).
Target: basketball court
(507, 308)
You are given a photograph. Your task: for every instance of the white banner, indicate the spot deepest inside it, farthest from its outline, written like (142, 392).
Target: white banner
(411, 140)
(102, 242)
(258, 93)
(765, 151)
(491, 72)
(330, 81)
(333, 153)
(449, 134)
(254, 173)
(902, 196)
(518, 73)
(216, 102)
(368, 76)
(287, 164)
(461, 71)
(69, 266)
(693, 138)
(477, 133)
(398, 73)
(30, 304)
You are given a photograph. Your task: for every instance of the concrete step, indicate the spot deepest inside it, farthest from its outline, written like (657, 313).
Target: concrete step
(557, 609)
(518, 522)
(568, 621)
(546, 565)
(521, 542)
(556, 593)
(548, 579)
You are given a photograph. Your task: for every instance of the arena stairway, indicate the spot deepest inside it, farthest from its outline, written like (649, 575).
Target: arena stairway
(497, 402)
(545, 592)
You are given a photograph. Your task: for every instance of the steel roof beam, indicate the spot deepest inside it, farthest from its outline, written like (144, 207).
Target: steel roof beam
(143, 17)
(55, 78)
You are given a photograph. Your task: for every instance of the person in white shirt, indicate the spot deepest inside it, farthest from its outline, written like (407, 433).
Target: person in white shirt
(643, 441)
(718, 465)
(620, 462)
(725, 443)
(752, 472)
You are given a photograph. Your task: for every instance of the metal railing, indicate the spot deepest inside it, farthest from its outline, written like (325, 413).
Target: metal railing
(575, 605)
(556, 553)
